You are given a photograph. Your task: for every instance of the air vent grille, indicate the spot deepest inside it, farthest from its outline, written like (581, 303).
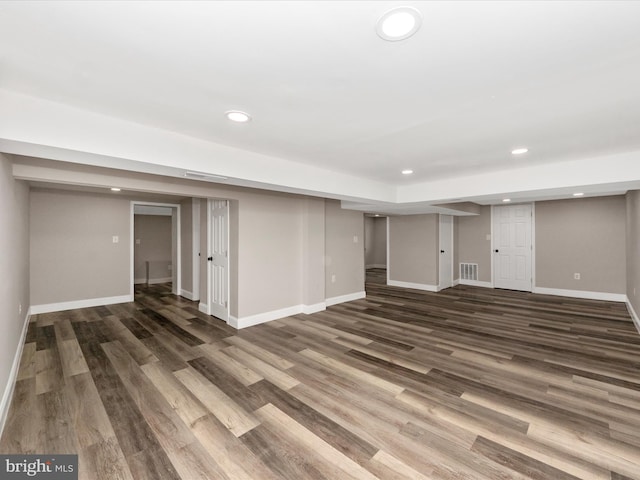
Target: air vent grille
(468, 271)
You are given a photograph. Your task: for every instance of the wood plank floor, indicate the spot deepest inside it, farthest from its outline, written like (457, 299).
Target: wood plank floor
(468, 383)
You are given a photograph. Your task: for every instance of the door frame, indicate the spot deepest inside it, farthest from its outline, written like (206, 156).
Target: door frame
(533, 243)
(440, 216)
(176, 244)
(210, 265)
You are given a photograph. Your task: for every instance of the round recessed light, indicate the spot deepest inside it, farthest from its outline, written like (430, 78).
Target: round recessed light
(519, 151)
(398, 24)
(115, 189)
(237, 116)
(578, 194)
(407, 171)
(506, 200)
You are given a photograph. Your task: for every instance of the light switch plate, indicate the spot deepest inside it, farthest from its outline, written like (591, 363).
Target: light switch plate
(115, 239)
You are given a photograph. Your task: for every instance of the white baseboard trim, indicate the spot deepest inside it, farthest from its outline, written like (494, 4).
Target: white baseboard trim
(315, 308)
(611, 297)
(259, 318)
(376, 265)
(634, 315)
(89, 302)
(13, 375)
(345, 298)
(251, 320)
(476, 283)
(152, 281)
(203, 307)
(188, 295)
(415, 286)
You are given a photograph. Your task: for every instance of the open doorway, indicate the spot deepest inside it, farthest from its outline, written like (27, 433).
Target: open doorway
(155, 258)
(375, 249)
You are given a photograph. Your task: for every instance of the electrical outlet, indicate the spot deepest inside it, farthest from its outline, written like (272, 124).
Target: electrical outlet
(576, 276)
(137, 241)
(333, 279)
(488, 236)
(20, 309)
(355, 239)
(115, 239)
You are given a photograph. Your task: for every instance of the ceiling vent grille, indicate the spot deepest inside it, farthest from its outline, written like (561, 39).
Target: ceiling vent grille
(468, 271)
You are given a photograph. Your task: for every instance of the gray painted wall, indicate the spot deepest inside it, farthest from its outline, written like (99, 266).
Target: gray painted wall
(413, 249)
(471, 243)
(344, 258)
(633, 249)
(14, 271)
(313, 251)
(72, 256)
(154, 234)
(585, 236)
(269, 253)
(186, 238)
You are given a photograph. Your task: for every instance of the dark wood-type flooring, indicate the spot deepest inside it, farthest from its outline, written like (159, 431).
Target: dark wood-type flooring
(468, 383)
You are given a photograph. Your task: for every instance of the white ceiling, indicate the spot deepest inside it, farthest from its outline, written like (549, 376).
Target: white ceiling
(336, 110)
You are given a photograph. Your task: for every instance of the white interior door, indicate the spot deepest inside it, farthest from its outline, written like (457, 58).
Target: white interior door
(512, 247)
(218, 259)
(445, 279)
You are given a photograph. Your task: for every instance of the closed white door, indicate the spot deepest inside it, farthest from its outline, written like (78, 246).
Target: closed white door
(218, 259)
(445, 279)
(512, 247)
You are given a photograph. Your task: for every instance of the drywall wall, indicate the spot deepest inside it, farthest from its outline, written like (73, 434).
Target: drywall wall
(633, 249)
(186, 244)
(269, 253)
(14, 270)
(413, 247)
(473, 243)
(267, 238)
(375, 242)
(313, 249)
(73, 255)
(585, 236)
(152, 244)
(344, 255)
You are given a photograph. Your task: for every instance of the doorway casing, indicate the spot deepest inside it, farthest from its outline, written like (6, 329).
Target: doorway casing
(175, 244)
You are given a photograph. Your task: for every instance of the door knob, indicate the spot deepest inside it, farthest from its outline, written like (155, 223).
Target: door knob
(441, 251)
(496, 250)
(210, 259)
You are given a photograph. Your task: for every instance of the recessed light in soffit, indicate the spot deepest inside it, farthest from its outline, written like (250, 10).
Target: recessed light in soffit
(407, 171)
(398, 24)
(519, 151)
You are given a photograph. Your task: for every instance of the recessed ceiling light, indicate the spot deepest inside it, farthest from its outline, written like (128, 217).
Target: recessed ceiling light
(578, 194)
(408, 171)
(398, 24)
(238, 116)
(115, 189)
(506, 200)
(519, 151)
(377, 215)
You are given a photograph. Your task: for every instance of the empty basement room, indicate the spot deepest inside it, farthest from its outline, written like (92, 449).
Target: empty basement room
(320, 240)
